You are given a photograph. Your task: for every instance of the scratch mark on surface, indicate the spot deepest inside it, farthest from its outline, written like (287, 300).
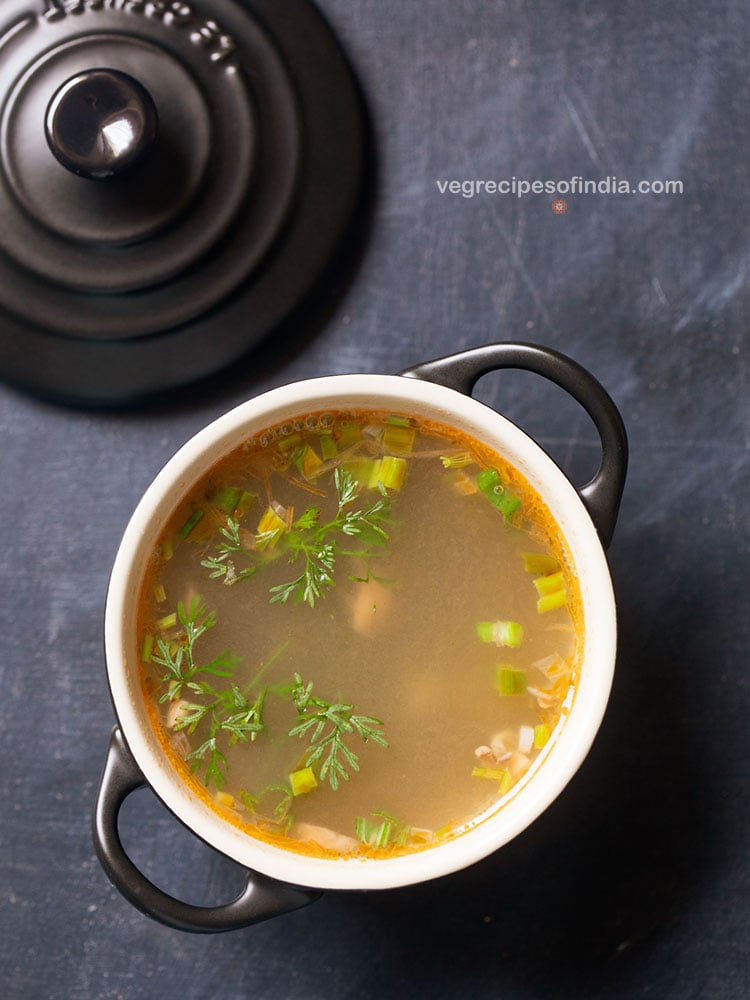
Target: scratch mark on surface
(659, 291)
(682, 322)
(572, 442)
(713, 296)
(526, 277)
(583, 134)
(596, 130)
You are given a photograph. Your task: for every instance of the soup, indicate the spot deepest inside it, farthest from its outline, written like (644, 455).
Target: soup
(358, 633)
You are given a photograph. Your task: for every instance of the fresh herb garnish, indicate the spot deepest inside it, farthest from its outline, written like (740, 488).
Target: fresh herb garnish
(276, 799)
(226, 710)
(216, 764)
(230, 712)
(387, 831)
(221, 565)
(311, 540)
(179, 656)
(327, 724)
(316, 543)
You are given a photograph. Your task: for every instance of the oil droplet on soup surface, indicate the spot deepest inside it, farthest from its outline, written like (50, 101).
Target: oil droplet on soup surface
(357, 633)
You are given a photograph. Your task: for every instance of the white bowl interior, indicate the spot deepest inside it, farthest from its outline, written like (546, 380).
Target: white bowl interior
(551, 771)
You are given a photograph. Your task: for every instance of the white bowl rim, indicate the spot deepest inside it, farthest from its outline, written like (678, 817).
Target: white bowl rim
(544, 783)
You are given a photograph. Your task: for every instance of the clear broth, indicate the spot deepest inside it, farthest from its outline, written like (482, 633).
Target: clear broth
(457, 712)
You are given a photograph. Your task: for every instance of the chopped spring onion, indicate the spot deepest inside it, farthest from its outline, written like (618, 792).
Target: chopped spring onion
(501, 633)
(167, 622)
(549, 584)
(328, 447)
(244, 504)
(486, 631)
(302, 781)
(227, 499)
(191, 523)
(490, 484)
(374, 478)
(539, 563)
(502, 776)
(491, 773)
(506, 503)
(372, 833)
(396, 421)
(541, 735)
(347, 432)
(147, 648)
(286, 444)
(360, 469)
(308, 462)
(456, 461)
(160, 594)
(390, 472)
(270, 529)
(167, 550)
(552, 601)
(362, 829)
(377, 835)
(488, 478)
(399, 439)
(509, 681)
(387, 831)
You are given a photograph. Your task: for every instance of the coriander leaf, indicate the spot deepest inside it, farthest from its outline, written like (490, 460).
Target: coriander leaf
(216, 765)
(316, 545)
(307, 520)
(326, 725)
(346, 486)
(312, 542)
(179, 655)
(224, 712)
(190, 716)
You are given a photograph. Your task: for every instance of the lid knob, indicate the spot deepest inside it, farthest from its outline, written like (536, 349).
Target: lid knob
(100, 122)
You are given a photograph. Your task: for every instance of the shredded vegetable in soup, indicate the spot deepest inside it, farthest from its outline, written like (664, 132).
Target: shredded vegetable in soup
(358, 633)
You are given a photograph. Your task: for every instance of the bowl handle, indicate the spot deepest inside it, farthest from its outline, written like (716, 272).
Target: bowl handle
(261, 898)
(601, 496)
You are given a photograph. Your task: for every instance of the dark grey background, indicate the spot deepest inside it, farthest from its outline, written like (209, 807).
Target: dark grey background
(635, 883)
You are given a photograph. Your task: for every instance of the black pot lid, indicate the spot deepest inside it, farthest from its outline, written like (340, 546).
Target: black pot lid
(173, 178)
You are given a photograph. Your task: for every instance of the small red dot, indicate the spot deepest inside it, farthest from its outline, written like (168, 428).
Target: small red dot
(559, 206)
